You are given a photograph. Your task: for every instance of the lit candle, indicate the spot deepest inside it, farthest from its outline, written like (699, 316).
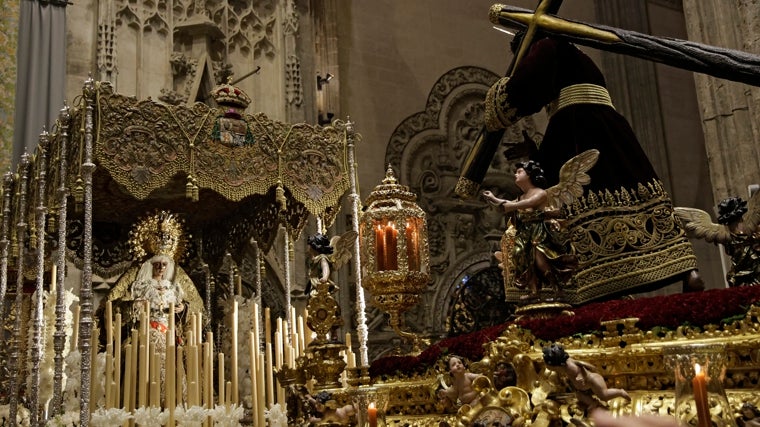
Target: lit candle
(372, 415)
(412, 247)
(700, 397)
(380, 248)
(391, 235)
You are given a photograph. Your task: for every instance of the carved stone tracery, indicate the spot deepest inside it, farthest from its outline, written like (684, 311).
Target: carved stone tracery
(428, 148)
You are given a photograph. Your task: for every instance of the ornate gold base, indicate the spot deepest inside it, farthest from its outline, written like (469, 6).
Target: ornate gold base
(544, 310)
(324, 363)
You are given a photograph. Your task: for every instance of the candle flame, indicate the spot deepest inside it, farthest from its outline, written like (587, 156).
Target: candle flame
(371, 405)
(697, 368)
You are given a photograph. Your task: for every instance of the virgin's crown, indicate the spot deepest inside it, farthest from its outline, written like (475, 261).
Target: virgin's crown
(159, 234)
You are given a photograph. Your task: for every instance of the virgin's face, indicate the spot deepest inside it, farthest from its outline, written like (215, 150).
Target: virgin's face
(159, 268)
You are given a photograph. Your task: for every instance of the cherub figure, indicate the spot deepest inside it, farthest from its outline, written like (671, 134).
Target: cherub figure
(750, 415)
(533, 254)
(588, 384)
(326, 410)
(326, 255)
(738, 230)
(461, 388)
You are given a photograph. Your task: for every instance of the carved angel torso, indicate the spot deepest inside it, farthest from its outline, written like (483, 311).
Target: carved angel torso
(740, 238)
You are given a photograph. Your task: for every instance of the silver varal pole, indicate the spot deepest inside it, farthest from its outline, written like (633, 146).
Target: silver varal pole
(85, 294)
(59, 336)
(21, 226)
(288, 282)
(38, 336)
(361, 317)
(258, 299)
(5, 243)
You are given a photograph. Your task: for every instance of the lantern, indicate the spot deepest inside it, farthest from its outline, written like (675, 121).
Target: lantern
(394, 250)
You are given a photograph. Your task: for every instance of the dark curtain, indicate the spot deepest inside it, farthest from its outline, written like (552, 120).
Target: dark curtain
(41, 77)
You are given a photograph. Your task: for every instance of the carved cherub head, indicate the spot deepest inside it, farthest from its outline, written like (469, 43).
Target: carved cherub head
(731, 209)
(555, 355)
(320, 244)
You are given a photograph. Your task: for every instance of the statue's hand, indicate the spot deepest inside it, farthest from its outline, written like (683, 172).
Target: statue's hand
(179, 308)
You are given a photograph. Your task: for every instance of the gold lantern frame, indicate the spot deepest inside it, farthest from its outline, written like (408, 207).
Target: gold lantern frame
(395, 259)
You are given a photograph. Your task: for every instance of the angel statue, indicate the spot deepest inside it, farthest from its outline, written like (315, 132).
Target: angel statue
(533, 253)
(738, 230)
(588, 384)
(326, 255)
(157, 282)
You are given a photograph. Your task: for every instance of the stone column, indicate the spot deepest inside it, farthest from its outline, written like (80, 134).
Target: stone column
(730, 111)
(632, 83)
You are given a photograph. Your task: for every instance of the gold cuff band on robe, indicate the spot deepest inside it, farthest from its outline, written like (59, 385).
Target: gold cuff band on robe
(583, 93)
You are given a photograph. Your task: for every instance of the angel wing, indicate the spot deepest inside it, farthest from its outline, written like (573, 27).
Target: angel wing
(699, 225)
(572, 178)
(342, 246)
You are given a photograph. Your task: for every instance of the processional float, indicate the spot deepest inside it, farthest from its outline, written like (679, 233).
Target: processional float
(227, 177)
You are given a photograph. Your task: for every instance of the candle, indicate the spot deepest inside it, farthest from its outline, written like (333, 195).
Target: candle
(109, 325)
(372, 415)
(412, 247)
(700, 397)
(260, 389)
(234, 356)
(117, 362)
(391, 235)
(255, 378)
(109, 374)
(301, 337)
(351, 359)
(184, 383)
(53, 275)
(269, 375)
(221, 382)
(267, 326)
(380, 248)
(127, 403)
(208, 369)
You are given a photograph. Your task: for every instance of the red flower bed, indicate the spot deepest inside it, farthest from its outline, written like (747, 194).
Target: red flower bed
(671, 311)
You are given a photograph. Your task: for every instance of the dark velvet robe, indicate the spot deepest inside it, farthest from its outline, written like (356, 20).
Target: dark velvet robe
(551, 65)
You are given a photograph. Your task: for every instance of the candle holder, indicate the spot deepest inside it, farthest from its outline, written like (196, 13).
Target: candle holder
(370, 399)
(700, 399)
(358, 376)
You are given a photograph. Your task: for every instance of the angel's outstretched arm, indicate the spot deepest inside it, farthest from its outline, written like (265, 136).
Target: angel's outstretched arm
(534, 200)
(325, 267)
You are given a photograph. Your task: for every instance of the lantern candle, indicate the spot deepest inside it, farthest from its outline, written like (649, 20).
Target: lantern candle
(391, 236)
(412, 247)
(380, 248)
(700, 396)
